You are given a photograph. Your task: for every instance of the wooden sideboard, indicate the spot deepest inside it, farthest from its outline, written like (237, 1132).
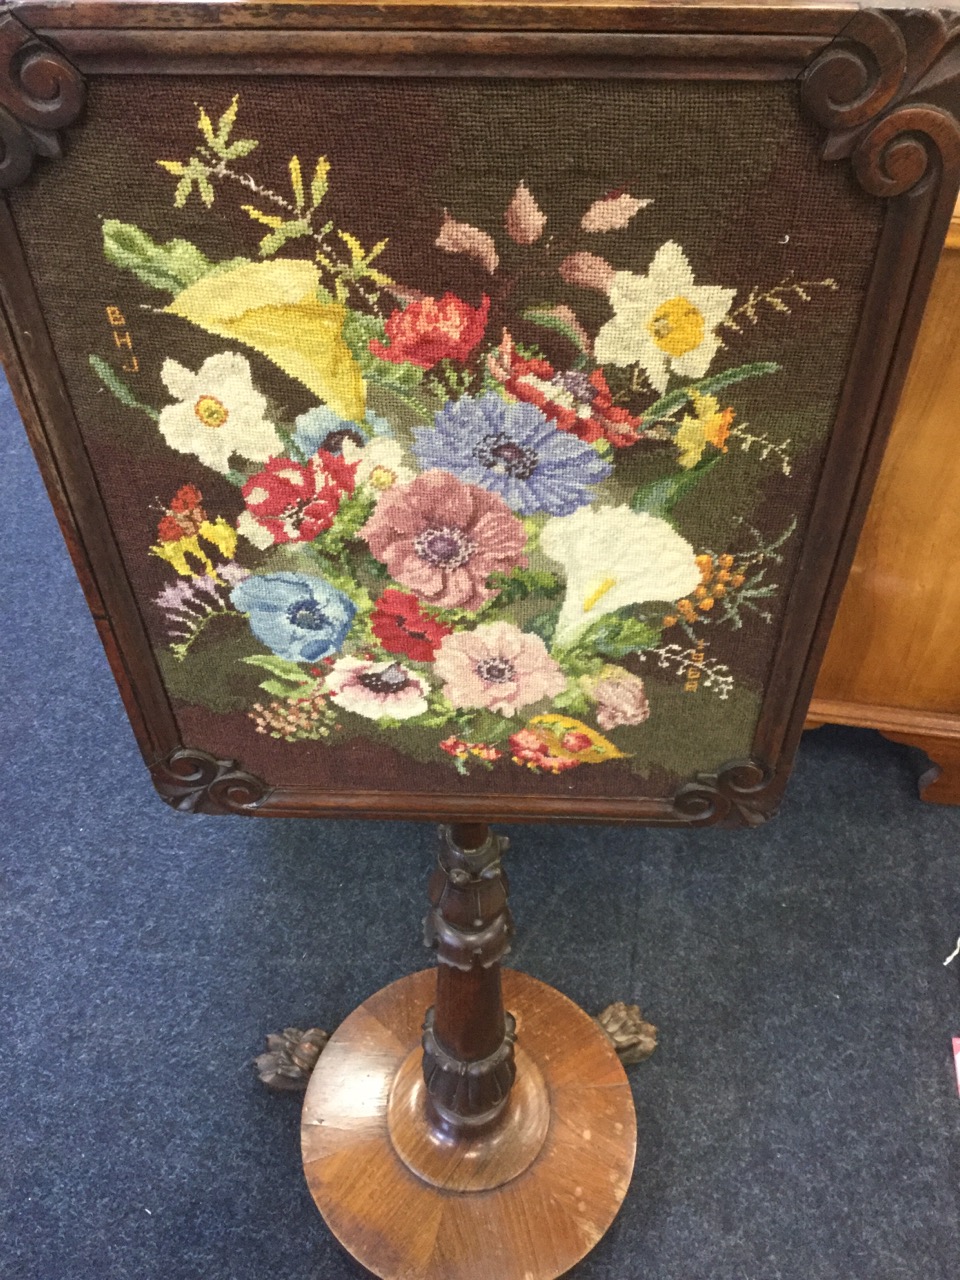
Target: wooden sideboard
(893, 662)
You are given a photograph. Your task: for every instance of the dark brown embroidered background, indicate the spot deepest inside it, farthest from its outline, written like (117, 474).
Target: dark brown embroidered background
(735, 178)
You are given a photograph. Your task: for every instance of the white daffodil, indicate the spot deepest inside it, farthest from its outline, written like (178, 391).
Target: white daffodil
(615, 557)
(218, 412)
(663, 321)
(381, 463)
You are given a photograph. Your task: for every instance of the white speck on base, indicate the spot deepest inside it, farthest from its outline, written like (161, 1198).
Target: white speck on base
(587, 1135)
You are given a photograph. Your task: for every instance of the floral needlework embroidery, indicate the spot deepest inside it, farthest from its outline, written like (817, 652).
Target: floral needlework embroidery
(480, 489)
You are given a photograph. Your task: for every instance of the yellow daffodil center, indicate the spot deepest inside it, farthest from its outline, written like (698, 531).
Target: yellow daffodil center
(677, 326)
(382, 477)
(212, 412)
(598, 594)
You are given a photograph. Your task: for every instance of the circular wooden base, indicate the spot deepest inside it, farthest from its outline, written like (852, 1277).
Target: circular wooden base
(537, 1222)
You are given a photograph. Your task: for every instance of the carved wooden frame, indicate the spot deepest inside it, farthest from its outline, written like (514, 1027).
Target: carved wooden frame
(883, 84)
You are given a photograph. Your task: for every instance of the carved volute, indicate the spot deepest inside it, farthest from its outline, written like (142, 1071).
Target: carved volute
(40, 94)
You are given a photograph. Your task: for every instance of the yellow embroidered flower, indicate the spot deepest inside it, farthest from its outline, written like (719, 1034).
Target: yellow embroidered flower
(180, 531)
(710, 425)
(663, 321)
(274, 308)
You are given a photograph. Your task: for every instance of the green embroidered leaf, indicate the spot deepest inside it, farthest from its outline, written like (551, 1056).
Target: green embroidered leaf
(277, 688)
(708, 386)
(241, 148)
(561, 319)
(518, 584)
(544, 625)
(292, 230)
(615, 636)
(660, 496)
(227, 121)
(572, 699)
(280, 667)
(171, 266)
(119, 388)
(318, 183)
(487, 726)
(352, 515)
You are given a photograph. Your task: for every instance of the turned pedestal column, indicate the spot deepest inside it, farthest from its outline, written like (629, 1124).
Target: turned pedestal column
(466, 1123)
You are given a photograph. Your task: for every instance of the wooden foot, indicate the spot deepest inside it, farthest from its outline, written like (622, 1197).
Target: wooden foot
(632, 1037)
(408, 1200)
(290, 1058)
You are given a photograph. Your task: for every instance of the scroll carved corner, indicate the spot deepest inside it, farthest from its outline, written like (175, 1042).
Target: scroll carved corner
(742, 792)
(887, 90)
(193, 781)
(41, 93)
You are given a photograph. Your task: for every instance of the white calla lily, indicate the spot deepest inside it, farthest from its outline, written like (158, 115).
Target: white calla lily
(615, 557)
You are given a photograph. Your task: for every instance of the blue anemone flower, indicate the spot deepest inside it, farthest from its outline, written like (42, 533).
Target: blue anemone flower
(299, 617)
(322, 428)
(513, 450)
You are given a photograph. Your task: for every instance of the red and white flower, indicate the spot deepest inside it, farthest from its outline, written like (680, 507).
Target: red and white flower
(295, 501)
(577, 402)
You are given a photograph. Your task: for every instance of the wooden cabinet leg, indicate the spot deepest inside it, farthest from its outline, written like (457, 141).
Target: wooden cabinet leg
(940, 784)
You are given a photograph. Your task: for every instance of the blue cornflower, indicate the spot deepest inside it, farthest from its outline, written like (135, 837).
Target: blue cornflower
(297, 616)
(512, 450)
(322, 428)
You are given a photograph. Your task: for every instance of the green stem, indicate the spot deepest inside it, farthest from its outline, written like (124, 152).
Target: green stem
(119, 388)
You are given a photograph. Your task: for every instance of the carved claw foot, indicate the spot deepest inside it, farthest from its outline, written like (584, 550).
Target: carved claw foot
(290, 1058)
(623, 1025)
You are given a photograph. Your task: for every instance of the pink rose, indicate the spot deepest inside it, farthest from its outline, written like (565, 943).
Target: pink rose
(620, 697)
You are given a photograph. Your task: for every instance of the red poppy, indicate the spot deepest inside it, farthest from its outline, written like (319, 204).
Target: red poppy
(293, 501)
(184, 515)
(433, 329)
(402, 626)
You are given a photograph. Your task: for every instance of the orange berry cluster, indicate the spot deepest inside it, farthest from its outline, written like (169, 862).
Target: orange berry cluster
(718, 576)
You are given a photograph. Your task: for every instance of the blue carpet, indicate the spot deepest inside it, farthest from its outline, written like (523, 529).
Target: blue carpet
(800, 1120)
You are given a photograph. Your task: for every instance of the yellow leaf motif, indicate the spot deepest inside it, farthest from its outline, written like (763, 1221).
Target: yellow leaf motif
(266, 219)
(555, 730)
(273, 307)
(296, 181)
(205, 125)
(354, 245)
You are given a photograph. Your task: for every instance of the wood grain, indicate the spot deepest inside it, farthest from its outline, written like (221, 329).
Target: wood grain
(534, 1227)
(892, 662)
